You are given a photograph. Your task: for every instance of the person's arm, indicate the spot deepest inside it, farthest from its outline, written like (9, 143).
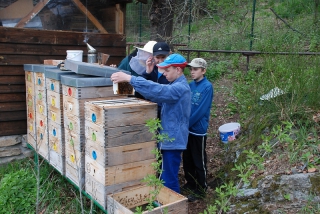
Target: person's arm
(203, 106)
(120, 77)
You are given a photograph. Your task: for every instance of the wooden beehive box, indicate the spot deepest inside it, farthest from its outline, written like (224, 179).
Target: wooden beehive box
(42, 146)
(99, 192)
(119, 173)
(87, 92)
(112, 156)
(119, 122)
(125, 202)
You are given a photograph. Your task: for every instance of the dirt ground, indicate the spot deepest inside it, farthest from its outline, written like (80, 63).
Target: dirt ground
(215, 148)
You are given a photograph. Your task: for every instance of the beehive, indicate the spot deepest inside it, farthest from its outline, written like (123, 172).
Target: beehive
(118, 145)
(55, 118)
(37, 135)
(76, 90)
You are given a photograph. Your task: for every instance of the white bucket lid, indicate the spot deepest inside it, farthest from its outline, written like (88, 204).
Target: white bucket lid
(229, 127)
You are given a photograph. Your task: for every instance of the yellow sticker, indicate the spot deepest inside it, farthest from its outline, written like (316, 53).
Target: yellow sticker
(31, 128)
(53, 102)
(29, 90)
(55, 147)
(72, 158)
(53, 116)
(40, 108)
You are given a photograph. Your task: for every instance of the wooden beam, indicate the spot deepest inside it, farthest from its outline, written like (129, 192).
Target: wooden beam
(13, 127)
(87, 13)
(32, 13)
(119, 20)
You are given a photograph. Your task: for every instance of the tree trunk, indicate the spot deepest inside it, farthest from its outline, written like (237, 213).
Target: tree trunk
(161, 20)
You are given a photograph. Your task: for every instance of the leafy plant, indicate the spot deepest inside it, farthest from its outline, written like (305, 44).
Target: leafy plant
(18, 192)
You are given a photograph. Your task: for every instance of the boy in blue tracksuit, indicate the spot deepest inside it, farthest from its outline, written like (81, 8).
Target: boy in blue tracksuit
(175, 112)
(195, 157)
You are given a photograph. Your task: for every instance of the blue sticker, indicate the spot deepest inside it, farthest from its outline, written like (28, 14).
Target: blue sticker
(94, 155)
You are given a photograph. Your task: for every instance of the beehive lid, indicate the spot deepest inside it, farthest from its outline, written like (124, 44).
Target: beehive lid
(91, 69)
(82, 81)
(55, 73)
(38, 67)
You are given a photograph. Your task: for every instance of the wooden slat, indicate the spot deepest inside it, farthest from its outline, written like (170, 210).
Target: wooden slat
(35, 59)
(119, 20)
(87, 13)
(13, 127)
(12, 80)
(32, 14)
(13, 106)
(11, 70)
(34, 36)
(16, 97)
(12, 88)
(13, 115)
(53, 50)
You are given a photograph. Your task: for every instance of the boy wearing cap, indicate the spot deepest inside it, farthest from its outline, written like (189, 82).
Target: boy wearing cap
(160, 51)
(176, 105)
(195, 157)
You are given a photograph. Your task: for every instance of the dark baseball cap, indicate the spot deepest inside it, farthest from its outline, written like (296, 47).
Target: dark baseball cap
(161, 48)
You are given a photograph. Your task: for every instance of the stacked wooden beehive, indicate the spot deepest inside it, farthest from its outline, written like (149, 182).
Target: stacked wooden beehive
(76, 90)
(55, 118)
(37, 108)
(118, 145)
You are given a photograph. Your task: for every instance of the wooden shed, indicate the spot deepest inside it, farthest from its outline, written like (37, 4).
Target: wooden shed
(32, 31)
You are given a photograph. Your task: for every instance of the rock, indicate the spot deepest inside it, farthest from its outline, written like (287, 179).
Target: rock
(9, 151)
(10, 140)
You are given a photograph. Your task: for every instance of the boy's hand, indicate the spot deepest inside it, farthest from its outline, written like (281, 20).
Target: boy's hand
(120, 77)
(150, 64)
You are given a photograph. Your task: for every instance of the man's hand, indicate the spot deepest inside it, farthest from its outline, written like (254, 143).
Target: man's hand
(150, 64)
(120, 77)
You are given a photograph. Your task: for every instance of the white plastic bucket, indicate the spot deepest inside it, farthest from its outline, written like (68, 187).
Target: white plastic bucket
(75, 55)
(229, 131)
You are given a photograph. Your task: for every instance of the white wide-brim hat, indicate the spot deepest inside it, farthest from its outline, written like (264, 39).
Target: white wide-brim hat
(148, 47)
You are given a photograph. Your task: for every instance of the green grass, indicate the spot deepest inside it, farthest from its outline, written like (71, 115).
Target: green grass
(18, 190)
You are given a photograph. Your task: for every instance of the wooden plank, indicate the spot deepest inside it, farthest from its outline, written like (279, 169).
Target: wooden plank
(53, 50)
(16, 97)
(12, 115)
(11, 70)
(13, 127)
(32, 14)
(34, 36)
(119, 20)
(87, 13)
(120, 173)
(12, 89)
(15, 59)
(12, 80)
(88, 92)
(16, 10)
(13, 106)
(121, 154)
(117, 136)
(120, 112)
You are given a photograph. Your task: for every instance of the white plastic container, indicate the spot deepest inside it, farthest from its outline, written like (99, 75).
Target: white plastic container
(229, 131)
(75, 55)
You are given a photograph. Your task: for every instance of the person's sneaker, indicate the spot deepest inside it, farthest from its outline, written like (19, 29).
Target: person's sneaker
(196, 195)
(187, 188)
